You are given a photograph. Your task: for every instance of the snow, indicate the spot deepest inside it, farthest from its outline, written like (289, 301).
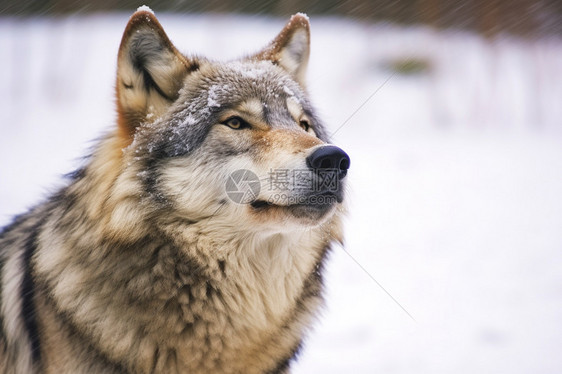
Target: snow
(145, 9)
(303, 15)
(254, 71)
(454, 186)
(288, 91)
(212, 97)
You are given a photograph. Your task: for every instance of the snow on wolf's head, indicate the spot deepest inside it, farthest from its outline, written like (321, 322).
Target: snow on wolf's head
(237, 141)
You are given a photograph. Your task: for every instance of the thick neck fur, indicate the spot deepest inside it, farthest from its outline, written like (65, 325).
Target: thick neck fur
(177, 296)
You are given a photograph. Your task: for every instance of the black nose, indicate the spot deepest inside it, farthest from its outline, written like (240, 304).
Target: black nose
(329, 157)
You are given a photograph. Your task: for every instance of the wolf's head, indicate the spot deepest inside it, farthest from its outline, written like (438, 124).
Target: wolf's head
(235, 140)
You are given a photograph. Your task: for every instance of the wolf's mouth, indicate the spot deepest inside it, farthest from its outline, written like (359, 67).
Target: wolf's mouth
(260, 204)
(319, 202)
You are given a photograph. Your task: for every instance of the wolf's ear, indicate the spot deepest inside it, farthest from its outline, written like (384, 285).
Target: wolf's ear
(291, 48)
(150, 72)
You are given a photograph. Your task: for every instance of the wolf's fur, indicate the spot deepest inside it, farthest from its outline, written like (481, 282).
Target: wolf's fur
(142, 264)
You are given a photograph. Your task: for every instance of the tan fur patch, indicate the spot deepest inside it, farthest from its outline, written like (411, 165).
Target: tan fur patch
(291, 140)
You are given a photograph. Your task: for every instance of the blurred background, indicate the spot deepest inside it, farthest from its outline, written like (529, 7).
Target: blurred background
(451, 112)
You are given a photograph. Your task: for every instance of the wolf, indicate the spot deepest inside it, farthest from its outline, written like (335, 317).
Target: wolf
(194, 237)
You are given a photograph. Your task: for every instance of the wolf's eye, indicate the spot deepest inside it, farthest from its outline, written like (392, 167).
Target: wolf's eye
(304, 124)
(236, 123)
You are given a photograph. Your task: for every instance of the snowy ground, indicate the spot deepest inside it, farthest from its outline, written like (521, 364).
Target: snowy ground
(456, 177)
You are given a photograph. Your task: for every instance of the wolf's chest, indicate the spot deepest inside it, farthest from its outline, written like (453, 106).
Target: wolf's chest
(237, 320)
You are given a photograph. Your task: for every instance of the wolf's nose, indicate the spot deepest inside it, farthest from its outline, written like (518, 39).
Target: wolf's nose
(329, 157)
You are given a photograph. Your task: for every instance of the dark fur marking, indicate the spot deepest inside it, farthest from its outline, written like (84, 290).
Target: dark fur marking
(7, 242)
(76, 174)
(193, 67)
(150, 83)
(222, 266)
(143, 49)
(286, 362)
(28, 293)
(16, 222)
(150, 180)
(156, 358)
